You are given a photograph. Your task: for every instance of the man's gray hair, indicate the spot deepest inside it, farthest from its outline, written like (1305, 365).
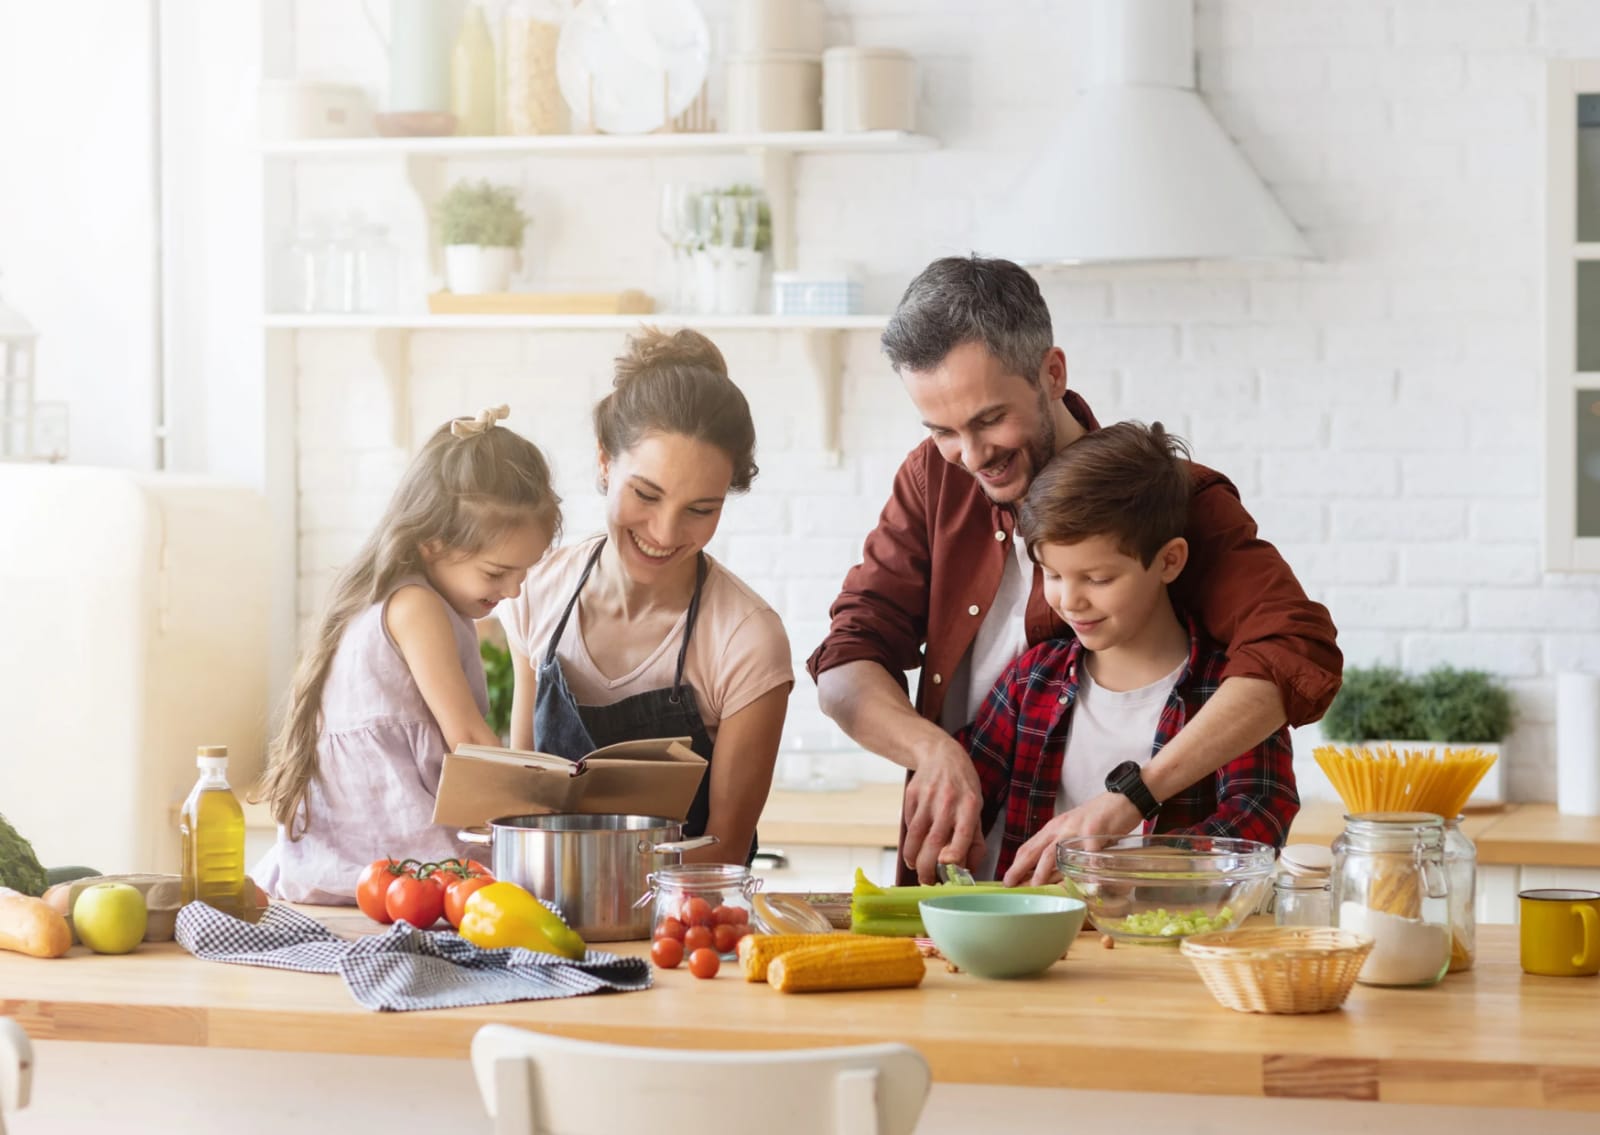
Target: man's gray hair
(970, 299)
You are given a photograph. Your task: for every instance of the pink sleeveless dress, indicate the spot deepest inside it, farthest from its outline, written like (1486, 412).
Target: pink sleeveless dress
(379, 756)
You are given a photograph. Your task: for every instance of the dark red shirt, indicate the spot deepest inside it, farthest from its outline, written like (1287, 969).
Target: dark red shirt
(937, 554)
(1019, 739)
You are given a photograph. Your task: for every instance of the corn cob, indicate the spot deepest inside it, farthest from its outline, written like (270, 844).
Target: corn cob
(756, 951)
(858, 963)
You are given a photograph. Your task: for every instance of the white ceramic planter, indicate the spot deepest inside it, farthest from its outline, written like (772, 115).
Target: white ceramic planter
(727, 281)
(473, 269)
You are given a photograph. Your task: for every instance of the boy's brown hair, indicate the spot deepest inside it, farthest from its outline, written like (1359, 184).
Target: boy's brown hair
(1129, 481)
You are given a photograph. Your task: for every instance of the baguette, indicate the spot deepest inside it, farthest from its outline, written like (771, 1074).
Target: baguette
(29, 926)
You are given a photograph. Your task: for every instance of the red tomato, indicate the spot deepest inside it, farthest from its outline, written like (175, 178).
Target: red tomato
(670, 927)
(698, 938)
(704, 963)
(737, 915)
(722, 915)
(696, 911)
(666, 952)
(457, 894)
(415, 900)
(725, 938)
(374, 885)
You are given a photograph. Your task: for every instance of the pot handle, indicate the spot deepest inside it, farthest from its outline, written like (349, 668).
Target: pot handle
(479, 835)
(680, 845)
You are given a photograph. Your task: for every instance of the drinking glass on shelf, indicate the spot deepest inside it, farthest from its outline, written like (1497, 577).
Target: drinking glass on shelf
(677, 220)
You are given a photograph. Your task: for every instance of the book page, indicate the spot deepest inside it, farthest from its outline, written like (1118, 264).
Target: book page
(645, 749)
(519, 758)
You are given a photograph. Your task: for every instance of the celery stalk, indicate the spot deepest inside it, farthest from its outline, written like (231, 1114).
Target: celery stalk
(893, 911)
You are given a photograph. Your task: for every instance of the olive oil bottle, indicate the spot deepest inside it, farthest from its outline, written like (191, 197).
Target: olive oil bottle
(212, 826)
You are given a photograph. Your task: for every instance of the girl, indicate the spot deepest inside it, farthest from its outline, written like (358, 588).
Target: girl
(636, 632)
(394, 679)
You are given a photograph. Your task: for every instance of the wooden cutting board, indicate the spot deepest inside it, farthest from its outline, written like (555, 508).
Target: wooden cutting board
(628, 302)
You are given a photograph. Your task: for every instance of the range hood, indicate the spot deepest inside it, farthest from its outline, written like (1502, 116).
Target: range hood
(1138, 169)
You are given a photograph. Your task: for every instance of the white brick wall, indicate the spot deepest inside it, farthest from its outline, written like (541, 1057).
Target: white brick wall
(1380, 409)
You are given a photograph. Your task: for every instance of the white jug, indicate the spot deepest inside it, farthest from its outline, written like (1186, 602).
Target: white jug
(420, 36)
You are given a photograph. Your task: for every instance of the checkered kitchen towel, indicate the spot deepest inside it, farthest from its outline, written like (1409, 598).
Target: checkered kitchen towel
(403, 967)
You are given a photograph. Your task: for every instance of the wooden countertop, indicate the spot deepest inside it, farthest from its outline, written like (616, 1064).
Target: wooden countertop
(1517, 835)
(1129, 1019)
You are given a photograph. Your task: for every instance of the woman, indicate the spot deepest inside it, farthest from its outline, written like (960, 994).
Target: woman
(636, 632)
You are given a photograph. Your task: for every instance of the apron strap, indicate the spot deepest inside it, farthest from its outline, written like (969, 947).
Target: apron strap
(561, 627)
(688, 624)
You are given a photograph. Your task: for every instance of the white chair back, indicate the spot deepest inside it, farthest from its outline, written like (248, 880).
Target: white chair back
(536, 1084)
(16, 1069)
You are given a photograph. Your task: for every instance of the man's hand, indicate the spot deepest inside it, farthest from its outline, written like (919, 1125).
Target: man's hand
(943, 805)
(1109, 814)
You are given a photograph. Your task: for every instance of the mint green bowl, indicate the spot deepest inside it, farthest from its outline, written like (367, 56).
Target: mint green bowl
(1002, 935)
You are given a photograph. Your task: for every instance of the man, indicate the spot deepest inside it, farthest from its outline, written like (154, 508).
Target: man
(945, 585)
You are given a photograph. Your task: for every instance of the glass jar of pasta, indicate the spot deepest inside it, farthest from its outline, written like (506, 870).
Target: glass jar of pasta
(1390, 884)
(530, 93)
(1461, 864)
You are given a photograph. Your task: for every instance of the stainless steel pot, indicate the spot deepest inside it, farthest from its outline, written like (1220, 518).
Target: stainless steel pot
(594, 867)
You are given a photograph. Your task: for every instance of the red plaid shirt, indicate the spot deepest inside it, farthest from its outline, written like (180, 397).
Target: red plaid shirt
(1020, 736)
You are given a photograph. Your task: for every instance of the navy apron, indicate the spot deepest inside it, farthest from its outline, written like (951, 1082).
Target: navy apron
(568, 729)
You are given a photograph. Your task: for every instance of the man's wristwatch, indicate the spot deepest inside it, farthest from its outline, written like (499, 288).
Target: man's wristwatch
(1125, 780)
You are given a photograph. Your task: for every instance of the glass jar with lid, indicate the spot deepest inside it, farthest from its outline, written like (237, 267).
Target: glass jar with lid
(1301, 889)
(702, 904)
(1461, 865)
(1390, 884)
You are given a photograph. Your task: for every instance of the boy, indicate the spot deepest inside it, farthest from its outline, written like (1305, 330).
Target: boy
(1073, 717)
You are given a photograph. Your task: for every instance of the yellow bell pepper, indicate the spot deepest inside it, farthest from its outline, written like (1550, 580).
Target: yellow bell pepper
(503, 914)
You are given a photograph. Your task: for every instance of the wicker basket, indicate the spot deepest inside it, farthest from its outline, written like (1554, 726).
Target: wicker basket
(1279, 969)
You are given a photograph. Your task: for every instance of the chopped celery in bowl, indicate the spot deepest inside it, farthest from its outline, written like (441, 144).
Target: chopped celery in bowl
(1163, 888)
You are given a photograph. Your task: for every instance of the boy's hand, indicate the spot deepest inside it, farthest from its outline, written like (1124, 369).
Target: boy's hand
(943, 806)
(1035, 864)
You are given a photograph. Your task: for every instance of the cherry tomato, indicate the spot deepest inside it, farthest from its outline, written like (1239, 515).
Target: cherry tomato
(374, 885)
(457, 894)
(666, 952)
(738, 915)
(415, 900)
(722, 915)
(725, 938)
(698, 938)
(696, 911)
(670, 927)
(704, 963)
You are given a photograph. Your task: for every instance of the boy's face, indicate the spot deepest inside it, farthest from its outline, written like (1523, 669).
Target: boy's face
(1105, 595)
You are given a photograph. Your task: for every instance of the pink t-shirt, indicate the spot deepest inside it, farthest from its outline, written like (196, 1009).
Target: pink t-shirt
(738, 650)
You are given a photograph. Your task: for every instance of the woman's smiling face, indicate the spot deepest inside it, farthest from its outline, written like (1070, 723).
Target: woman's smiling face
(664, 498)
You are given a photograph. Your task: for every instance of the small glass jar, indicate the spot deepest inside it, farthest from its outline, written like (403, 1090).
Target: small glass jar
(713, 897)
(1390, 884)
(1461, 865)
(1301, 900)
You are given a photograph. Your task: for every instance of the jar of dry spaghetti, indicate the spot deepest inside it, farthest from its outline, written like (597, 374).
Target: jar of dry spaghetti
(1390, 884)
(1461, 865)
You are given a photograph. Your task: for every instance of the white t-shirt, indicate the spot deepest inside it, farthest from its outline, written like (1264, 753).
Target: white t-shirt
(1107, 728)
(738, 651)
(1002, 636)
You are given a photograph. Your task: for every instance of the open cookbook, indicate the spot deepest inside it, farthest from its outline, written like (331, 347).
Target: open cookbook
(651, 777)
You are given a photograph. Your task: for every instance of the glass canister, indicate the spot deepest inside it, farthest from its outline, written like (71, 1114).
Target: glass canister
(702, 904)
(530, 93)
(1390, 884)
(1461, 865)
(1301, 900)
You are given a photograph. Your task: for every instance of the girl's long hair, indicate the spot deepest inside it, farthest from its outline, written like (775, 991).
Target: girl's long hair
(470, 484)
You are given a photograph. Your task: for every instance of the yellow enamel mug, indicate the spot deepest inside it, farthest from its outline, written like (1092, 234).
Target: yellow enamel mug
(1560, 932)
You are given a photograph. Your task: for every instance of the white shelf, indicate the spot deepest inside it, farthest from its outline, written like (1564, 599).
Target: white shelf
(594, 145)
(423, 321)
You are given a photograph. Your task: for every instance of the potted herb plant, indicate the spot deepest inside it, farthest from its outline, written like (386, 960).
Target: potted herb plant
(1450, 708)
(734, 227)
(481, 227)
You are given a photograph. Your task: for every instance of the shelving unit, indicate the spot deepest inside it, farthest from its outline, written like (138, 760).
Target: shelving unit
(425, 163)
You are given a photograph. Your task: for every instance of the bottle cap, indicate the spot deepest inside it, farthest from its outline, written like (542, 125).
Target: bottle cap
(211, 756)
(1306, 859)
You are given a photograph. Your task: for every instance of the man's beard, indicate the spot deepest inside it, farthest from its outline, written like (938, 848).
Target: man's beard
(1037, 452)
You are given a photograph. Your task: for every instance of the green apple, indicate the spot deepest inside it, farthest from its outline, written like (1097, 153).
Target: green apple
(110, 917)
